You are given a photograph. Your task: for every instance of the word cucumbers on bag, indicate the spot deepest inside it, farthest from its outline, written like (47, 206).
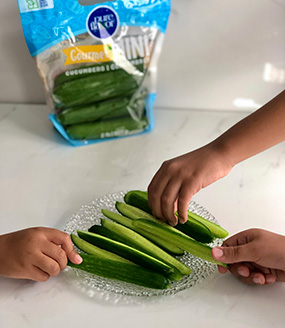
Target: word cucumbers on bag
(97, 63)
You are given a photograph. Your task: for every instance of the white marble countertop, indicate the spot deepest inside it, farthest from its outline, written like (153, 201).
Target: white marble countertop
(44, 181)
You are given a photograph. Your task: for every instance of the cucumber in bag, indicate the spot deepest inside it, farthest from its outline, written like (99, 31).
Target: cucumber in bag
(97, 63)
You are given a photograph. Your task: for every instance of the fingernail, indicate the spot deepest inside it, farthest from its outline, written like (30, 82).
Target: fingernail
(172, 223)
(242, 273)
(270, 280)
(78, 259)
(257, 281)
(218, 252)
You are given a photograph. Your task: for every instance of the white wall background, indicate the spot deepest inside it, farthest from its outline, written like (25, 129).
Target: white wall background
(218, 54)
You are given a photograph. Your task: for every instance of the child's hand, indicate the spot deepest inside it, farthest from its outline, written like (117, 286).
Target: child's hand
(35, 253)
(179, 179)
(255, 256)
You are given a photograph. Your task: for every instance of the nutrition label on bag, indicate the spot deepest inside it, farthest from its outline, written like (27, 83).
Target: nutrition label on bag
(32, 5)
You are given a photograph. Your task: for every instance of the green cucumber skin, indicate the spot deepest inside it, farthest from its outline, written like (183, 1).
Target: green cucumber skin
(111, 233)
(139, 199)
(196, 227)
(192, 228)
(133, 212)
(100, 230)
(127, 252)
(197, 231)
(127, 222)
(216, 230)
(124, 239)
(180, 239)
(141, 243)
(97, 111)
(121, 271)
(176, 275)
(94, 88)
(93, 250)
(106, 129)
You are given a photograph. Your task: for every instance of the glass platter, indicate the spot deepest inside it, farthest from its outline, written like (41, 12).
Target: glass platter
(90, 214)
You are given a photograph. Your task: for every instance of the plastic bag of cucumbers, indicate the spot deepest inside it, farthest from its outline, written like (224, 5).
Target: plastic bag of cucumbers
(97, 62)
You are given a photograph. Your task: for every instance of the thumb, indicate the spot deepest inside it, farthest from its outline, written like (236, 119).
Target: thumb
(63, 239)
(233, 254)
(67, 246)
(73, 256)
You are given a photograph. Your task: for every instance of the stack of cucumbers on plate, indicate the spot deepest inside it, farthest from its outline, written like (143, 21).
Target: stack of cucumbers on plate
(104, 104)
(131, 245)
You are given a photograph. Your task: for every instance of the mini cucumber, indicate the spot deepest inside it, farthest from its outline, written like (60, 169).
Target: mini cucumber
(196, 230)
(216, 230)
(107, 128)
(125, 238)
(121, 271)
(141, 243)
(107, 233)
(97, 111)
(127, 222)
(126, 252)
(178, 238)
(195, 227)
(133, 212)
(94, 88)
(139, 199)
(93, 250)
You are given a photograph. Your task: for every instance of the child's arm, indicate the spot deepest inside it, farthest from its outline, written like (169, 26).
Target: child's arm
(35, 253)
(256, 133)
(255, 256)
(180, 178)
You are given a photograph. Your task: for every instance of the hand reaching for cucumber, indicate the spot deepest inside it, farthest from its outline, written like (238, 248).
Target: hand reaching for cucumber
(35, 253)
(179, 179)
(255, 256)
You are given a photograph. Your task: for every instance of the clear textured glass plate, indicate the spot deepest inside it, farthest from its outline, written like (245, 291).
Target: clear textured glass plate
(90, 214)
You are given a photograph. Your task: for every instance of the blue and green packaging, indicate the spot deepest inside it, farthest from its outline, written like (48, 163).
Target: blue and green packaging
(98, 63)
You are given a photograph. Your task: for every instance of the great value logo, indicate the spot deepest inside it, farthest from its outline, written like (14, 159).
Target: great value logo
(102, 22)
